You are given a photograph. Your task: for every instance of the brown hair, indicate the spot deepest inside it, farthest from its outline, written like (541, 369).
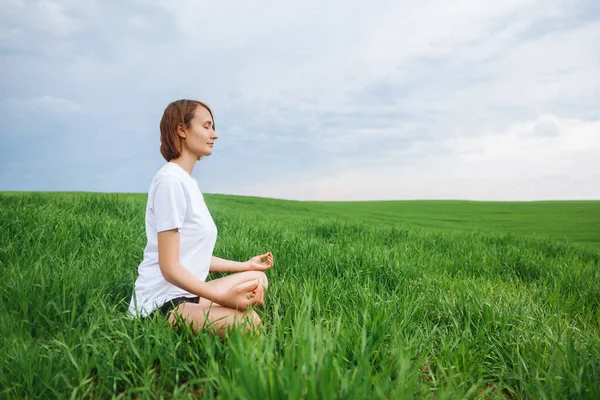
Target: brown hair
(177, 113)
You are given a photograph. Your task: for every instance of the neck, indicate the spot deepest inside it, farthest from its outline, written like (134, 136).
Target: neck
(185, 161)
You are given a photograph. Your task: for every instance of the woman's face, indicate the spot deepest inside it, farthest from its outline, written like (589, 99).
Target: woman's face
(200, 136)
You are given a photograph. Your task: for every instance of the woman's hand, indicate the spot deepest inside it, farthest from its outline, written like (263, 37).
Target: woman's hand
(243, 295)
(257, 263)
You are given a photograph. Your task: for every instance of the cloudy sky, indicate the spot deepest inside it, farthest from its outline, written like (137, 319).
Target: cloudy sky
(319, 100)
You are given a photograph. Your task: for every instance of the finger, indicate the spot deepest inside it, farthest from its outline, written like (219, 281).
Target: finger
(243, 304)
(253, 300)
(259, 297)
(259, 267)
(266, 266)
(247, 286)
(255, 292)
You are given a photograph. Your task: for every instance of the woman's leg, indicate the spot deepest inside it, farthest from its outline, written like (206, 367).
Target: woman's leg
(229, 281)
(215, 318)
(213, 315)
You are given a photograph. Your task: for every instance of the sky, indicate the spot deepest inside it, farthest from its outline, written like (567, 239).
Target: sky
(312, 100)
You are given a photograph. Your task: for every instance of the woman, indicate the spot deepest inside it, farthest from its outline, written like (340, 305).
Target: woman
(181, 237)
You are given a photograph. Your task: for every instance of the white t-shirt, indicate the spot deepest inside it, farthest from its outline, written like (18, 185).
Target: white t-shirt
(174, 201)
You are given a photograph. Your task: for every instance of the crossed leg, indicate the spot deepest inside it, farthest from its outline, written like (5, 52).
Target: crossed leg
(216, 317)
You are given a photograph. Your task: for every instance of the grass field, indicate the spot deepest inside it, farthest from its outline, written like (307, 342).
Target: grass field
(572, 221)
(366, 300)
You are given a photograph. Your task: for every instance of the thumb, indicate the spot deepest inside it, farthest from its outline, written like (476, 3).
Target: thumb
(247, 286)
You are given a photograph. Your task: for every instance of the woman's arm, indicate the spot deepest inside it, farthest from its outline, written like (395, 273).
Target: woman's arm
(221, 265)
(176, 274)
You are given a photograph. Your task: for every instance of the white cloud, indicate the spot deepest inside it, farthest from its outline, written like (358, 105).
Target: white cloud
(429, 89)
(321, 52)
(56, 18)
(441, 61)
(545, 158)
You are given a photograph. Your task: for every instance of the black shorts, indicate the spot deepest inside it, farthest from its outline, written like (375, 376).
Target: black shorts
(172, 304)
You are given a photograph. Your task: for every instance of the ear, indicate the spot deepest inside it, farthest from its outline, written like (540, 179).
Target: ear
(181, 131)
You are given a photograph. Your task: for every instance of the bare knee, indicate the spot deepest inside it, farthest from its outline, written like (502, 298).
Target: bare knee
(262, 278)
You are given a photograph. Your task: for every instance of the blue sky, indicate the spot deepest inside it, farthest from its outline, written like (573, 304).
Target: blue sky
(313, 100)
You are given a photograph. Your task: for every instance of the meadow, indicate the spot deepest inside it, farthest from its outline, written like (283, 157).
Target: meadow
(377, 300)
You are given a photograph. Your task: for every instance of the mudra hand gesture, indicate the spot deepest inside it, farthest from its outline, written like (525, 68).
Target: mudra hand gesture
(257, 264)
(243, 295)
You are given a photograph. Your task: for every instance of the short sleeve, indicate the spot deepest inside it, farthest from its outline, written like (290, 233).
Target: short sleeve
(169, 203)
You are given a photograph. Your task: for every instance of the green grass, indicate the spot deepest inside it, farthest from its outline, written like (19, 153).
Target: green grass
(578, 221)
(574, 221)
(364, 301)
